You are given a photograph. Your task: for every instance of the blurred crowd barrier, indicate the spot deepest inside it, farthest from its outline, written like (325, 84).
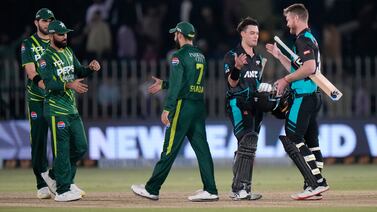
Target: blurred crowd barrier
(119, 90)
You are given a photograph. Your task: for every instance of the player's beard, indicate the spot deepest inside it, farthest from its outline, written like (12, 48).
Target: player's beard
(176, 43)
(60, 44)
(43, 31)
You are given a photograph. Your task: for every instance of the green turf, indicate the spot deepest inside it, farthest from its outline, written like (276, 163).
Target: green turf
(342, 178)
(350, 177)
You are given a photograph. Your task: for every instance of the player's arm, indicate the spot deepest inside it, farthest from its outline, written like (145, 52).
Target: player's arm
(175, 81)
(233, 64)
(54, 83)
(275, 51)
(51, 82)
(305, 51)
(28, 65)
(84, 71)
(158, 85)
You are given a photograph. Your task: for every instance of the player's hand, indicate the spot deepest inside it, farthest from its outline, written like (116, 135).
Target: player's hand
(78, 86)
(274, 50)
(265, 87)
(94, 65)
(280, 86)
(41, 84)
(156, 86)
(165, 118)
(240, 61)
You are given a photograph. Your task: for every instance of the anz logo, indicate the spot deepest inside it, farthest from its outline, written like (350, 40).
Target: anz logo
(251, 74)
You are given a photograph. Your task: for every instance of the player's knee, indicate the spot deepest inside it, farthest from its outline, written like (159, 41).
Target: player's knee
(289, 147)
(81, 151)
(248, 144)
(296, 138)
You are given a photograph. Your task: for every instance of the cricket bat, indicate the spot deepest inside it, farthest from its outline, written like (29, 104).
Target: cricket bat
(318, 78)
(264, 61)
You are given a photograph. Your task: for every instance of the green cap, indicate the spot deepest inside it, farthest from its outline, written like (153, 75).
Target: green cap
(44, 14)
(185, 28)
(57, 26)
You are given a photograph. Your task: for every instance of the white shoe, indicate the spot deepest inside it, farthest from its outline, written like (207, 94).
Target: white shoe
(309, 192)
(51, 183)
(43, 193)
(315, 197)
(140, 190)
(203, 196)
(240, 195)
(67, 196)
(76, 189)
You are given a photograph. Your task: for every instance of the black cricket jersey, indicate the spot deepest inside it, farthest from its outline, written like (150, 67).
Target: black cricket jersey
(306, 47)
(250, 74)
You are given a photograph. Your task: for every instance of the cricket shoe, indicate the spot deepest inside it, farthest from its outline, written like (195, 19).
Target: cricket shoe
(141, 191)
(67, 196)
(203, 196)
(51, 183)
(244, 195)
(44, 193)
(309, 192)
(315, 197)
(76, 189)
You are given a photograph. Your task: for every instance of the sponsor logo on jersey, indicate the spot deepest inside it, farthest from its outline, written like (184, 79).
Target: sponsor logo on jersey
(42, 63)
(33, 115)
(251, 74)
(61, 125)
(58, 63)
(23, 48)
(175, 61)
(39, 49)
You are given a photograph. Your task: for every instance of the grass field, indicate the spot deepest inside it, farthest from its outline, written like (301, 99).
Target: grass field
(353, 188)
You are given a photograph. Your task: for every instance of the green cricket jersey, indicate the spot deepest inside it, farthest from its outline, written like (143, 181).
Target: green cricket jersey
(32, 49)
(57, 68)
(187, 70)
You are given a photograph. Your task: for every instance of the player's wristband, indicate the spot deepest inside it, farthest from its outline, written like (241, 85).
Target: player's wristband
(36, 79)
(235, 74)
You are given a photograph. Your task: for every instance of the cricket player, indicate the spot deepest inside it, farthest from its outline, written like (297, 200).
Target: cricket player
(62, 74)
(184, 116)
(31, 50)
(243, 75)
(301, 128)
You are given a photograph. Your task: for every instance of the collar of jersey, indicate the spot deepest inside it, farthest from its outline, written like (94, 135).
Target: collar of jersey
(303, 32)
(240, 50)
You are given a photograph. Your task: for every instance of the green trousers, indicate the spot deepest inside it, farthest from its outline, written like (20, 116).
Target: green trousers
(38, 140)
(187, 120)
(69, 145)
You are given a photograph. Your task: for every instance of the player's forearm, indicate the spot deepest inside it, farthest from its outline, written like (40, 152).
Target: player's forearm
(233, 83)
(307, 69)
(285, 61)
(30, 70)
(54, 85)
(83, 71)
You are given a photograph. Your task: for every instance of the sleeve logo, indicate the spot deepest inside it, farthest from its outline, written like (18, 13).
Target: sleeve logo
(42, 63)
(175, 61)
(306, 52)
(33, 115)
(23, 48)
(226, 68)
(61, 125)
